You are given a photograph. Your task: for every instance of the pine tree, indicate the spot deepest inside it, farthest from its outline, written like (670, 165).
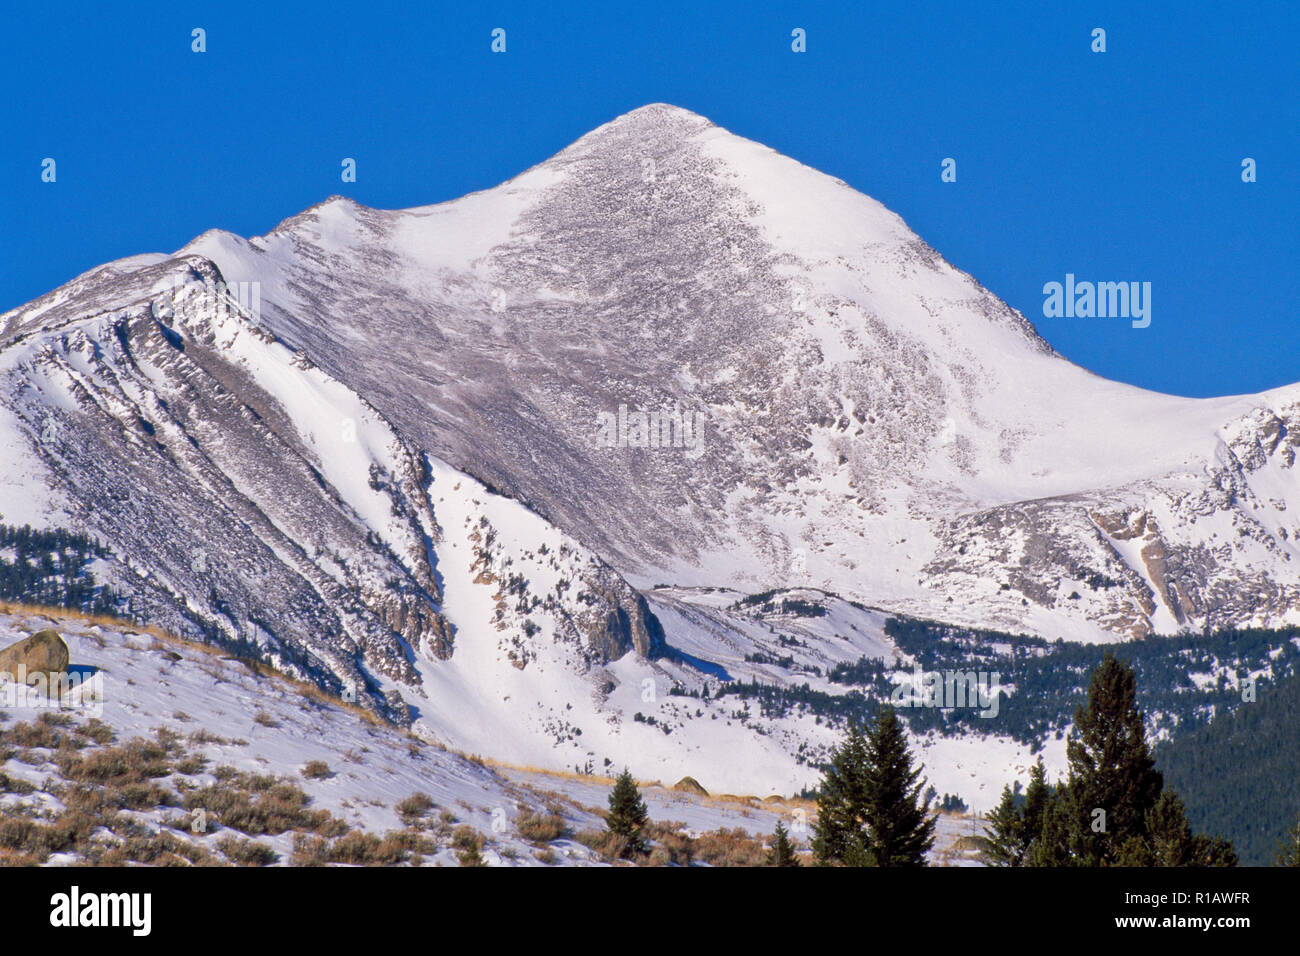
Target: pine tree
(1169, 834)
(1113, 809)
(1289, 855)
(1037, 797)
(1004, 837)
(627, 817)
(839, 835)
(1016, 824)
(1111, 768)
(1054, 839)
(900, 829)
(782, 852)
(870, 811)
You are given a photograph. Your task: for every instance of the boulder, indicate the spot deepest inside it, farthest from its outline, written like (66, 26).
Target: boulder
(43, 653)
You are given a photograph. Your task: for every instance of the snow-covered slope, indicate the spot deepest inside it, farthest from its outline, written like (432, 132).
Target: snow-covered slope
(214, 722)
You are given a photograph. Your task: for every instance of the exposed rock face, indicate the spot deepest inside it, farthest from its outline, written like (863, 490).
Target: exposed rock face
(690, 785)
(45, 652)
(247, 498)
(1184, 551)
(619, 620)
(1140, 526)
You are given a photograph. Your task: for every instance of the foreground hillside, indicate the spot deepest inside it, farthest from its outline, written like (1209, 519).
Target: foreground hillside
(172, 752)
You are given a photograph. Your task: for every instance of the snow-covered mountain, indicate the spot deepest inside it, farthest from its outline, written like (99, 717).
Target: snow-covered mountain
(411, 464)
(868, 412)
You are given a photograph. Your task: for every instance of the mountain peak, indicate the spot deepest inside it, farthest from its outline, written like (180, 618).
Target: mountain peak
(655, 126)
(655, 113)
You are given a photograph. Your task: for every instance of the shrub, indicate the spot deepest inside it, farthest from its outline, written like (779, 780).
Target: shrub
(541, 827)
(136, 761)
(143, 796)
(735, 847)
(356, 848)
(309, 850)
(247, 852)
(317, 770)
(191, 764)
(466, 837)
(272, 808)
(672, 847)
(609, 845)
(39, 734)
(14, 785)
(470, 856)
(414, 807)
(98, 731)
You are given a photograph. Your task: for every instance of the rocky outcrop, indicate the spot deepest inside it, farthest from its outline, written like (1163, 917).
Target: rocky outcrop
(45, 652)
(619, 620)
(690, 785)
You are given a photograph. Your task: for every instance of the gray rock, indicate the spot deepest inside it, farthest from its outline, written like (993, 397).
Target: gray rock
(45, 652)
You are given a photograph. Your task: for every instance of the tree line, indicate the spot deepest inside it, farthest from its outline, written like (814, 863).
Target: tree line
(49, 567)
(1111, 809)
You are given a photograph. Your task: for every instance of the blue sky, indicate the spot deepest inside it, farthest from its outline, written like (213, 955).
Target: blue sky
(1123, 165)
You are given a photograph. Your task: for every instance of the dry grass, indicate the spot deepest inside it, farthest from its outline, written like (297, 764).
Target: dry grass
(261, 805)
(541, 827)
(727, 801)
(414, 808)
(244, 852)
(57, 617)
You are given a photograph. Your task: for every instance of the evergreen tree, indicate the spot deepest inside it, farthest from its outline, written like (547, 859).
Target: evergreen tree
(1059, 817)
(899, 828)
(782, 852)
(839, 835)
(1111, 768)
(1169, 834)
(1113, 809)
(1215, 851)
(627, 817)
(870, 811)
(1016, 824)
(1036, 800)
(1004, 841)
(1289, 855)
